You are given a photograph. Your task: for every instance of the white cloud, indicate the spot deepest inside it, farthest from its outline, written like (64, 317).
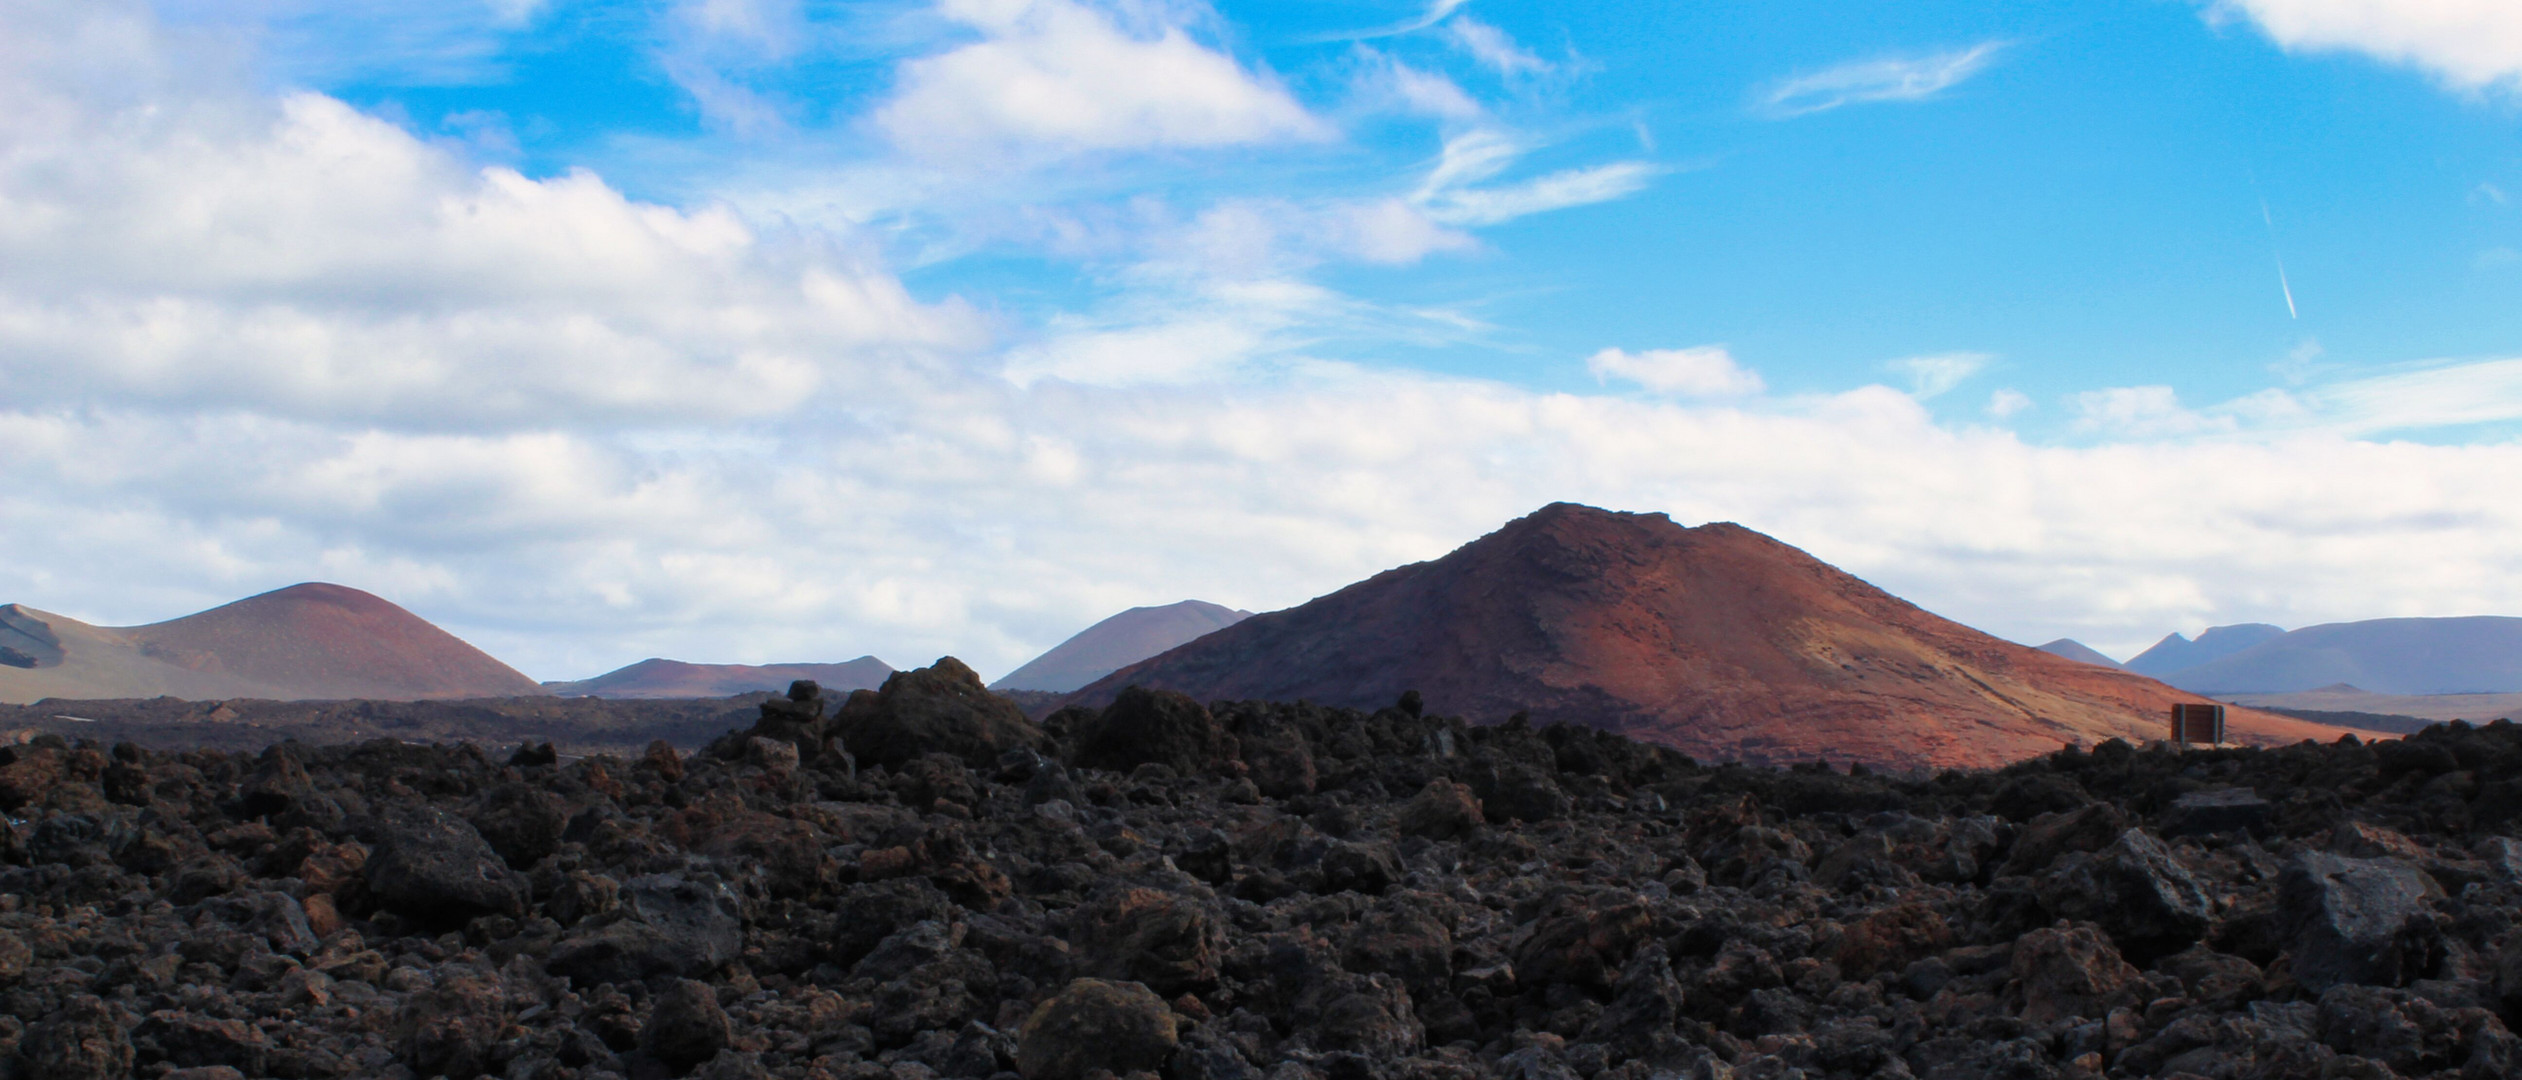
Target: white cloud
(1932, 376)
(312, 261)
(1702, 371)
(1058, 75)
(1886, 79)
(2140, 412)
(1491, 46)
(2469, 43)
(2008, 402)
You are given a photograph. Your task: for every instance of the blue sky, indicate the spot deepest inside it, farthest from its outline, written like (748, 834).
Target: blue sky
(755, 330)
(2082, 193)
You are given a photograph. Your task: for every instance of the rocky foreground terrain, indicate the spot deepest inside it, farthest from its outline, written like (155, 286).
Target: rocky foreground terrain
(574, 725)
(921, 884)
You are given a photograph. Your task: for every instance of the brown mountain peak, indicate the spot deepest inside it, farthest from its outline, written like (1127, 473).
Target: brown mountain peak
(1717, 639)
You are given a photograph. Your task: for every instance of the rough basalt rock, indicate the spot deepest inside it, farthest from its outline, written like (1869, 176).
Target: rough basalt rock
(431, 866)
(2359, 921)
(942, 708)
(936, 920)
(1118, 1028)
(1143, 726)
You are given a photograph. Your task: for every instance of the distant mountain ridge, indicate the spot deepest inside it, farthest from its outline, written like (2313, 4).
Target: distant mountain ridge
(2479, 654)
(1116, 642)
(2175, 652)
(311, 641)
(660, 678)
(1717, 640)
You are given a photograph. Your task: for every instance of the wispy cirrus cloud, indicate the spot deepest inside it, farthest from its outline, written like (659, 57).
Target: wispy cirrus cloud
(1878, 80)
(1492, 47)
(1453, 192)
(1932, 376)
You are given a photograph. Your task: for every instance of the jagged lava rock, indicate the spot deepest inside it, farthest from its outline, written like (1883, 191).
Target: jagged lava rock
(942, 708)
(1143, 725)
(1093, 1024)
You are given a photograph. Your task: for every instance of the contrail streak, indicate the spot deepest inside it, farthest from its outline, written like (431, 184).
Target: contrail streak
(2283, 286)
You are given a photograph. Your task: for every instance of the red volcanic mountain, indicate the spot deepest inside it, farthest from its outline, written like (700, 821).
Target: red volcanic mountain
(311, 641)
(1717, 640)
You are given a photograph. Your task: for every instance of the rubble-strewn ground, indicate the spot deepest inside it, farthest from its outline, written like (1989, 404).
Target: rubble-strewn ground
(575, 725)
(1265, 890)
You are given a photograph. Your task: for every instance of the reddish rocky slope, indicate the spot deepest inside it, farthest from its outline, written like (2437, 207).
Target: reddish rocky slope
(1717, 640)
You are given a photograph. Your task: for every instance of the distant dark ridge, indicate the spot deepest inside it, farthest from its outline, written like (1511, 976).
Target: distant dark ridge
(2391, 723)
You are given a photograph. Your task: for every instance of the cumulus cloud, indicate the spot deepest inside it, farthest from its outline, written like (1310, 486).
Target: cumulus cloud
(1885, 79)
(314, 261)
(1704, 371)
(2469, 43)
(1058, 75)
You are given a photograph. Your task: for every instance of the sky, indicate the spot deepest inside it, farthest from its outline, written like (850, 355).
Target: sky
(779, 330)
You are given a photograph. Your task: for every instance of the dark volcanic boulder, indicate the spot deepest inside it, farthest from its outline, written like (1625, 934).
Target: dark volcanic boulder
(1092, 1024)
(1144, 725)
(796, 718)
(942, 708)
(1442, 810)
(1517, 791)
(2366, 921)
(521, 822)
(686, 1027)
(432, 867)
(2071, 971)
(2222, 810)
(1583, 939)
(666, 925)
(2151, 905)
(81, 1042)
(1168, 942)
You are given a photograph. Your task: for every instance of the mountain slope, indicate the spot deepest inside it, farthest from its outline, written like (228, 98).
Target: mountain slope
(310, 641)
(2474, 655)
(2175, 652)
(1123, 639)
(658, 678)
(1717, 640)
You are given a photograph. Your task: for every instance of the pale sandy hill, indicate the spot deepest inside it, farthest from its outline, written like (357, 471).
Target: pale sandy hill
(1123, 639)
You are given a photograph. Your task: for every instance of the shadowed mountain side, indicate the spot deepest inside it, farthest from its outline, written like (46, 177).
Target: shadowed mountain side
(1123, 639)
(2078, 651)
(2175, 651)
(658, 678)
(311, 641)
(2479, 654)
(1716, 640)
